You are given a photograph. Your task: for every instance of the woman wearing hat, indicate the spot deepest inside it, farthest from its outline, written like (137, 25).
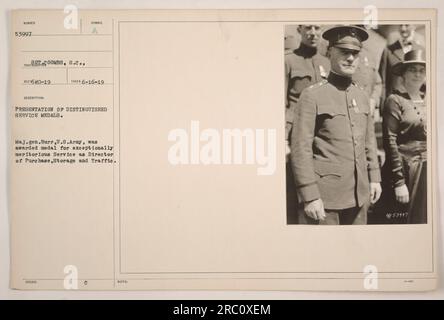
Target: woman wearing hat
(404, 198)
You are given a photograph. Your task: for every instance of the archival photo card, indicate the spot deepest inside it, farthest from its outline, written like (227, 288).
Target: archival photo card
(223, 149)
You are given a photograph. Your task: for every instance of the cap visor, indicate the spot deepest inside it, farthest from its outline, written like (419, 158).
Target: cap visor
(348, 46)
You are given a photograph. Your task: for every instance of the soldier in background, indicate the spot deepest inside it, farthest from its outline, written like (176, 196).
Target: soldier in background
(304, 66)
(367, 74)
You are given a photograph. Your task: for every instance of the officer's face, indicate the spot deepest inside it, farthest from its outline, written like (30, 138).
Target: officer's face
(414, 76)
(344, 61)
(310, 35)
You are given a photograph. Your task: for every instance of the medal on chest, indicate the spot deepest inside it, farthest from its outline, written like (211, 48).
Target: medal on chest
(355, 106)
(366, 61)
(322, 72)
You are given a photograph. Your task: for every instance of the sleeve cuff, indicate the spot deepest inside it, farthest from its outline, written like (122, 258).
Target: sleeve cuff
(309, 192)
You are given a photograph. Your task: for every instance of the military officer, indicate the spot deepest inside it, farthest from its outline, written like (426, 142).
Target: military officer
(304, 66)
(333, 147)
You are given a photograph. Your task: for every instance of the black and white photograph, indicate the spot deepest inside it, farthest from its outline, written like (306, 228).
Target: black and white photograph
(356, 124)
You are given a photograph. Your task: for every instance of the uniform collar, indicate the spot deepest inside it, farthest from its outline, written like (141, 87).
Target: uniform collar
(306, 51)
(339, 81)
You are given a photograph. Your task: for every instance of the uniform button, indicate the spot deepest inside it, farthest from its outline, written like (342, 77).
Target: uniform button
(418, 113)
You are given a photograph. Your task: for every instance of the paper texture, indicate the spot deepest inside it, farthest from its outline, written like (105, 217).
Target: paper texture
(97, 202)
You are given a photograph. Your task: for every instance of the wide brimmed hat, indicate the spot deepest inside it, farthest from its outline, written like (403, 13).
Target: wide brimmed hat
(346, 36)
(412, 57)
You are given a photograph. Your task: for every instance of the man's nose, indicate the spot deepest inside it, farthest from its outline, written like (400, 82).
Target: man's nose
(350, 57)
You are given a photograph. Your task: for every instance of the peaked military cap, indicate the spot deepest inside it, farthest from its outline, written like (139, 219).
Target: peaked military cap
(347, 37)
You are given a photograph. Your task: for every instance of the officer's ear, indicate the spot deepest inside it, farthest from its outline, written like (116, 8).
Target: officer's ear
(299, 28)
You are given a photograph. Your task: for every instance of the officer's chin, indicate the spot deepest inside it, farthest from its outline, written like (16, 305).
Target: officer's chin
(348, 71)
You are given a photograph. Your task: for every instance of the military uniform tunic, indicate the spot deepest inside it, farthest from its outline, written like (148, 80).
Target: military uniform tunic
(333, 147)
(304, 67)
